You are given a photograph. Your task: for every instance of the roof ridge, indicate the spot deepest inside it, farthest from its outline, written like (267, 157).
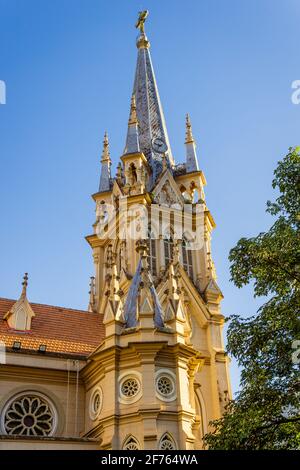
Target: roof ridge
(48, 305)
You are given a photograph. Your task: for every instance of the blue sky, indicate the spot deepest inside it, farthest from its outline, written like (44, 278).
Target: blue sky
(69, 65)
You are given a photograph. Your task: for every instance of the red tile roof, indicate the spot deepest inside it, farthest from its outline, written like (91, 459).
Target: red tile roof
(63, 330)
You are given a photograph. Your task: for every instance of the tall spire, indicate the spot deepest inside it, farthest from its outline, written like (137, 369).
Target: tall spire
(105, 166)
(132, 141)
(191, 156)
(151, 121)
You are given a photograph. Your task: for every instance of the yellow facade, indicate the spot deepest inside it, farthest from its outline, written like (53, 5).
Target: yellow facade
(151, 372)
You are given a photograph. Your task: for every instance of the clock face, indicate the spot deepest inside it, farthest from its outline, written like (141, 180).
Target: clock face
(159, 145)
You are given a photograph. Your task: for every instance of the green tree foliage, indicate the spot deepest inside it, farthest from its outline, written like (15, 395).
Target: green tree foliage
(266, 412)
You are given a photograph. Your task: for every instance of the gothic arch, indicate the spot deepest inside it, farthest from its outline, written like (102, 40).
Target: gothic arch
(131, 443)
(167, 442)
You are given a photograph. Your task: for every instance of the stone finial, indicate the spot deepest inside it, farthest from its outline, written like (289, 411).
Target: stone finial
(24, 284)
(92, 293)
(105, 166)
(132, 115)
(105, 151)
(132, 140)
(189, 134)
(191, 155)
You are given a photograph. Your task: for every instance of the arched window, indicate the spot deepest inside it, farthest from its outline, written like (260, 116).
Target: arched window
(132, 174)
(187, 257)
(131, 443)
(151, 243)
(168, 247)
(167, 442)
(202, 417)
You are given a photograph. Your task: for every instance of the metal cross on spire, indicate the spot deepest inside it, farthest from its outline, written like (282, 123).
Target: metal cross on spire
(140, 24)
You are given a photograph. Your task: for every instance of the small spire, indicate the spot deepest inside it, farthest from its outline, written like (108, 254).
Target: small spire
(191, 155)
(105, 151)
(133, 116)
(132, 140)
(105, 166)
(189, 134)
(24, 284)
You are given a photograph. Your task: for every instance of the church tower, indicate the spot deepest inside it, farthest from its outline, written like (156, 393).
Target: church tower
(161, 373)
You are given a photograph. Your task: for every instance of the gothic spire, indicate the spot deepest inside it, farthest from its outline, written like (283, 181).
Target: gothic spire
(132, 141)
(149, 110)
(191, 156)
(105, 166)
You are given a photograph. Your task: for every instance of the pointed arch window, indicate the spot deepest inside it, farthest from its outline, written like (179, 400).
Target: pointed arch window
(168, 247)
(167, 442)
(131, 443)
(187, 257)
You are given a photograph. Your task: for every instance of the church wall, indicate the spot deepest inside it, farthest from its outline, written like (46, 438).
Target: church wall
(49, 384)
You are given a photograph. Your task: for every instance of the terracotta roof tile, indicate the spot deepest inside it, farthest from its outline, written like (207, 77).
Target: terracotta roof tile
(63, 330)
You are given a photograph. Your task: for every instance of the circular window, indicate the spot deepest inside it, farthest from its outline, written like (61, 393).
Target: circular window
(165, 385)
(96, 403)
(29, 415)
(130, 387)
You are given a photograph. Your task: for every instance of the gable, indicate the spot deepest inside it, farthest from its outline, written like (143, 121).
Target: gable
(167, 193)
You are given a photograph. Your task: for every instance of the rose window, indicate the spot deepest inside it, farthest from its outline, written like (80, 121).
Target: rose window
(29, 415)
(165, 386)
(130, 387)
